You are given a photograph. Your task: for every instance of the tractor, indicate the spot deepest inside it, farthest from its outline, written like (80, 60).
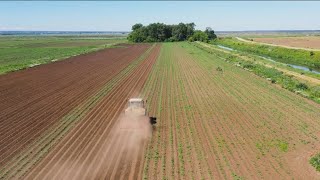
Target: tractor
(136, 106)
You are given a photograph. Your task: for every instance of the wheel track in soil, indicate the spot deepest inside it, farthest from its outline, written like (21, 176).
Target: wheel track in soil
(5, 155)
(148, 66)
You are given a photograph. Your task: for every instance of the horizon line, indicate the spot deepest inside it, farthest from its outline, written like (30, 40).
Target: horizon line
(130, 31)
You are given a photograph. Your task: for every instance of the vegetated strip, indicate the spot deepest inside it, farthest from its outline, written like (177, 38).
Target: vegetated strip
(47, 107)
(291, 56)
(303, 75)
(272, 74)
(90, 150)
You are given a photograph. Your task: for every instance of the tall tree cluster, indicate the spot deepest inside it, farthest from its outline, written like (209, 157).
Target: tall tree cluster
(160, 32)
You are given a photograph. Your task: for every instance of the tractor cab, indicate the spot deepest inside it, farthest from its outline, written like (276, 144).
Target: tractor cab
(136, 107)
(136, 103)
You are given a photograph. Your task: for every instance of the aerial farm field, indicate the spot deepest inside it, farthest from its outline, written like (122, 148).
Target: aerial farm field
(215, 120)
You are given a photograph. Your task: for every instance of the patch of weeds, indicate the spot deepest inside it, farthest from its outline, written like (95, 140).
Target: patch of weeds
(283, 145)
(265, 146)
(315, 161)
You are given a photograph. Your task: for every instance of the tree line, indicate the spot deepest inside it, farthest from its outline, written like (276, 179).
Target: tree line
(160, 32)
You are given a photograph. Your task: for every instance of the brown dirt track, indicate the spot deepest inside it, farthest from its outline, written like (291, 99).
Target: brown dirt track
(33, 101)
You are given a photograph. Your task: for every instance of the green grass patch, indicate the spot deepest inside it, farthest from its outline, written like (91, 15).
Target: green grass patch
(315, 161)
(266, 145)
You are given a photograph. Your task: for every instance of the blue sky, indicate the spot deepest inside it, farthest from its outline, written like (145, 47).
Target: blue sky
(120, 16)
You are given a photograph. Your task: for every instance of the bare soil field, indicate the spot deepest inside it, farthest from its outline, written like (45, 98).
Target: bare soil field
(95, 147)
(299, 42)
(34, 102)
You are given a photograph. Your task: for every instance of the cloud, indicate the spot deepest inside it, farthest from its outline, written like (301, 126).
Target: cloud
(13, 28)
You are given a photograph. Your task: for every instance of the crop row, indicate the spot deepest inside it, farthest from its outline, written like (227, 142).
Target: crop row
(222, 124)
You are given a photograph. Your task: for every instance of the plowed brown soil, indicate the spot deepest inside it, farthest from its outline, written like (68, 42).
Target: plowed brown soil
(95, 149)
(34, 100)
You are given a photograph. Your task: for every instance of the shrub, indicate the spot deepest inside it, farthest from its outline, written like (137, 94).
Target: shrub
(248, 66)
(302, 86)
(315, 92)
(311, 53)
(219, 69)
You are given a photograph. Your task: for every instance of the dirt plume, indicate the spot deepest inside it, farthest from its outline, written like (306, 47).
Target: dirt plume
(137, 126)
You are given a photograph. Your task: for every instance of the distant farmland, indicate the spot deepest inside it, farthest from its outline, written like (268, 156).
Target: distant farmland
(216, 120)
(19, 52)
(299, 42)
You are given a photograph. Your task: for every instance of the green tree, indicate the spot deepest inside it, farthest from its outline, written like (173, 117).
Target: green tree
(160, 32)
(136, 26)
(182, 31)
(199, 36)
(210, 33)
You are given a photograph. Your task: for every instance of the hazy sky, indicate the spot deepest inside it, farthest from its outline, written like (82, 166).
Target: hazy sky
(120, 16)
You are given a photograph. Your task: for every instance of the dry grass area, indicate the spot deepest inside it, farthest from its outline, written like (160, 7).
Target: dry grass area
(311, 42)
